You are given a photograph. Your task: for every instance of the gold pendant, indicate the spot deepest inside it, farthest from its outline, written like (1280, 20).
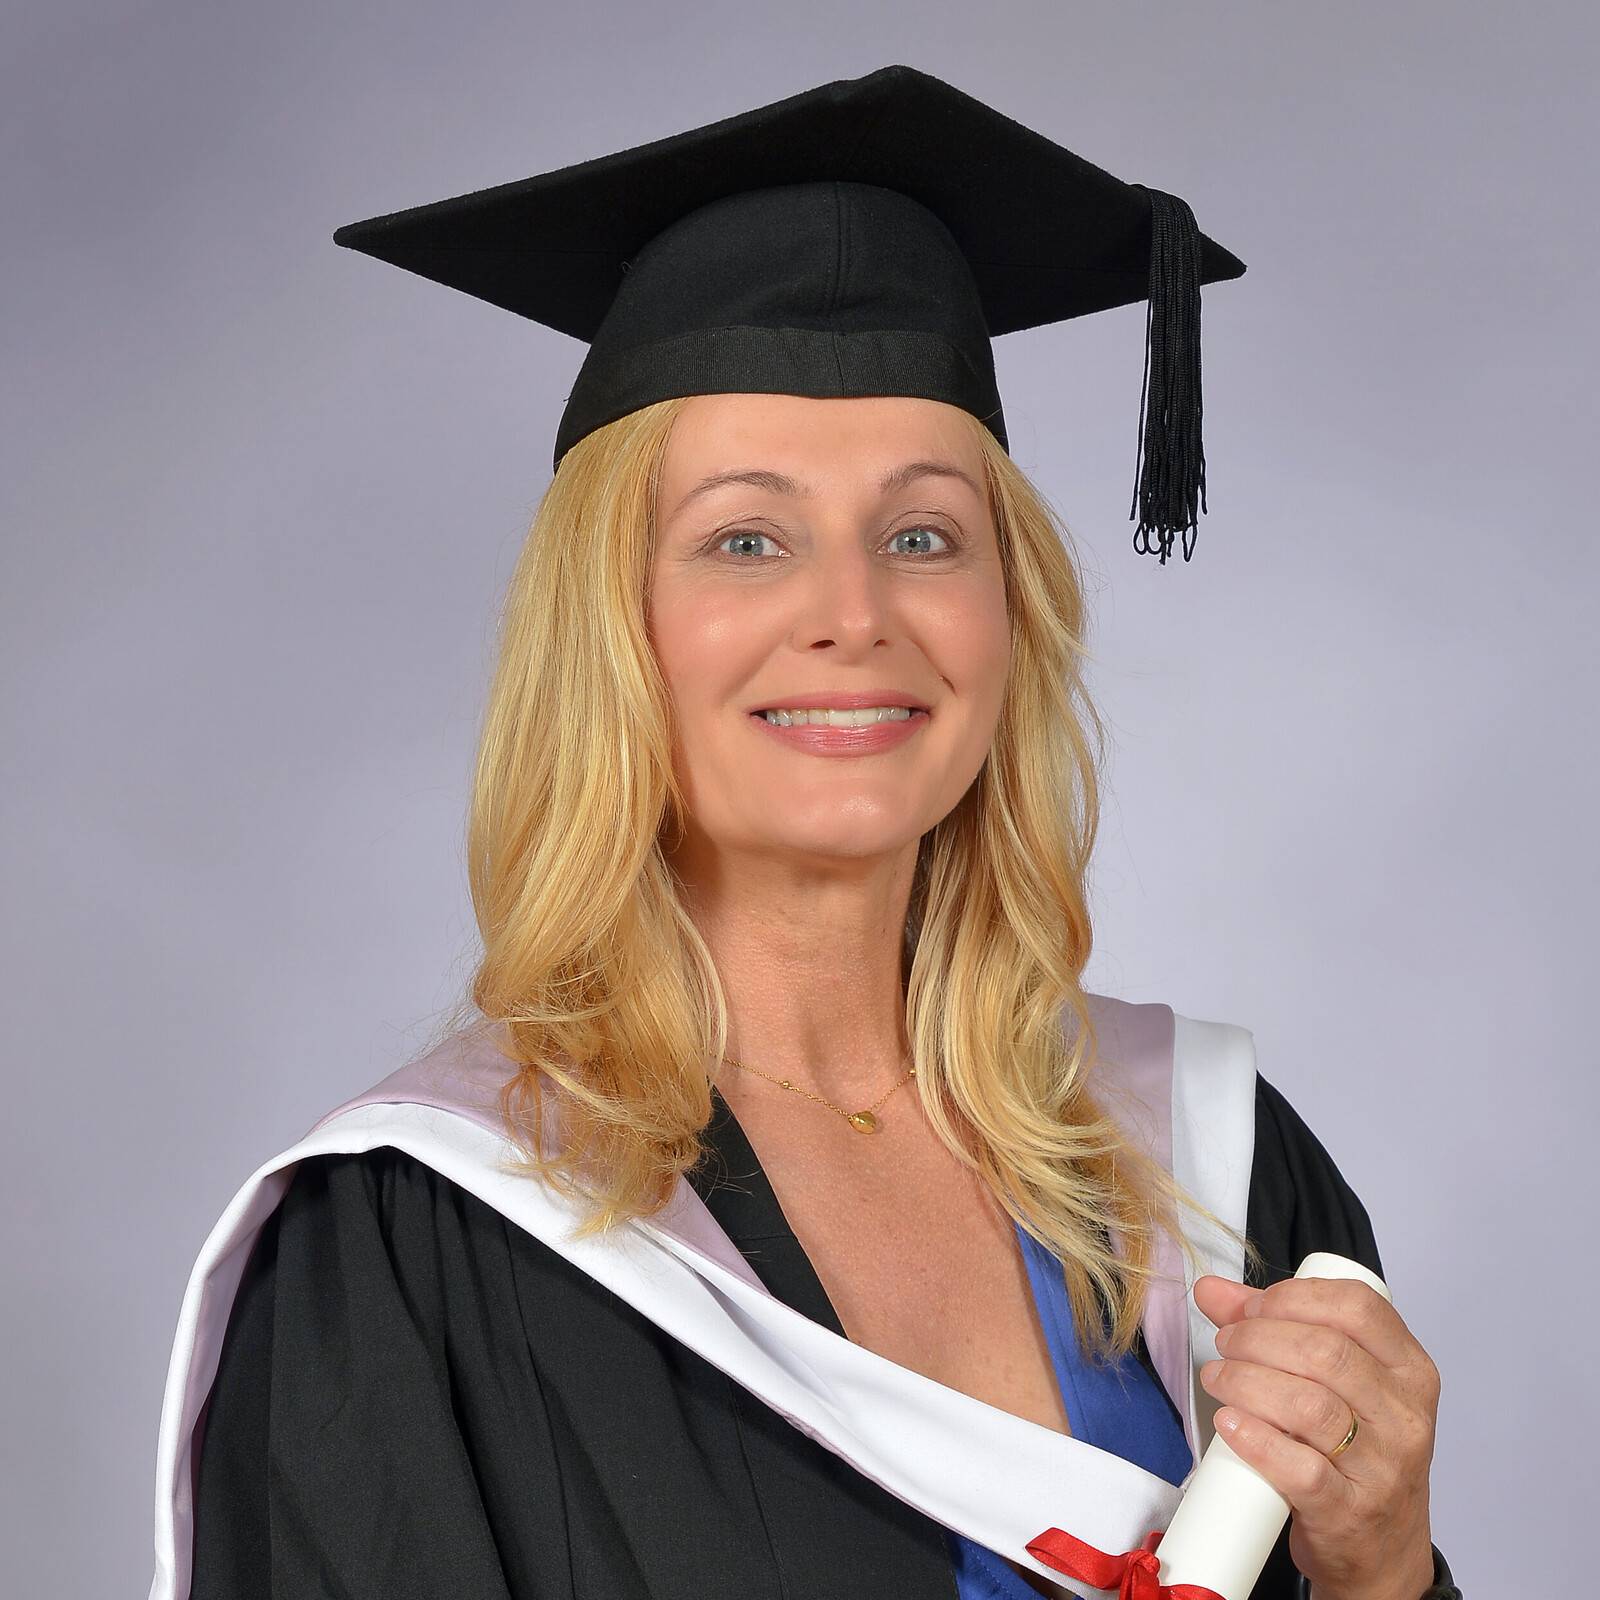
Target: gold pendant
(863, 1122)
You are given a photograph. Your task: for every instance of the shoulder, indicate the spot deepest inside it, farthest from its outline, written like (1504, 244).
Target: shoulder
(377, 1401)
(375, 1274)
(384, 1207)
(1300, 1201)
(369, 1255)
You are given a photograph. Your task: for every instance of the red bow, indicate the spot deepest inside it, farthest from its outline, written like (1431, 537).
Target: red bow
(1135, 1575)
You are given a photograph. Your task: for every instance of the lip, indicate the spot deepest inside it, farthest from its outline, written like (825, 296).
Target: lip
(841, 700)
(823, 741)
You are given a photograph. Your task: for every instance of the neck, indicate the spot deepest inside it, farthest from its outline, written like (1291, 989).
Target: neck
(810, 967)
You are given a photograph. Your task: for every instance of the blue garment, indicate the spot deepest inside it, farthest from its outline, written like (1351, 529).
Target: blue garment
(1121, 1409)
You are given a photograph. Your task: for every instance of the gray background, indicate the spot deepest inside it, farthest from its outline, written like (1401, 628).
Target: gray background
(262, 496)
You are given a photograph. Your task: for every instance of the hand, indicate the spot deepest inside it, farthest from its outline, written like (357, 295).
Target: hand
(1298, 1359)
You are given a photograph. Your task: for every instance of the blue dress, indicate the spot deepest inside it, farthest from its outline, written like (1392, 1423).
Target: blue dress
(1121, 1409)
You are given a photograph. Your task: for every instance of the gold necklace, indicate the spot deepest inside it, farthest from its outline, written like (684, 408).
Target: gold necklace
(861, 1121)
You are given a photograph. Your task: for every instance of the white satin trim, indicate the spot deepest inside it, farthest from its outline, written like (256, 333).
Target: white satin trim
(995, 1477)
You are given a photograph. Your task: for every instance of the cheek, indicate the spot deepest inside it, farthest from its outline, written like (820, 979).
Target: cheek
(701, 638)
(971, 644)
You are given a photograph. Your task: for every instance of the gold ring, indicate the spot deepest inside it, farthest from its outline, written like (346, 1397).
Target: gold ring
(1345, 1443)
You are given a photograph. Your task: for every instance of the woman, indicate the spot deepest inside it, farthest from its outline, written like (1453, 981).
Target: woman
(827, 975)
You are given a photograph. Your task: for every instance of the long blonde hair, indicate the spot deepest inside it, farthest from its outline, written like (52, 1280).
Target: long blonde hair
(605, 992)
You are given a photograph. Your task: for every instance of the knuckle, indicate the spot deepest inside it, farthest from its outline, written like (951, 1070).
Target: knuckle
(1417, 1437)
(1330, 1350)
(1432, 1378)
(1322, 1414)
(1312, 1474)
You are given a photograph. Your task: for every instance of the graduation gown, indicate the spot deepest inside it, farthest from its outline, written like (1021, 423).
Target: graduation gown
(415, 1396)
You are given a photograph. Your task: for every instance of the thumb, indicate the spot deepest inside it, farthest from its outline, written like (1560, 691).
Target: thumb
(1223, 1299)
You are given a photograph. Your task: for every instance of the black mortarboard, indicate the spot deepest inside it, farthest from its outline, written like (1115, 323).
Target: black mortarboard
(866, 237)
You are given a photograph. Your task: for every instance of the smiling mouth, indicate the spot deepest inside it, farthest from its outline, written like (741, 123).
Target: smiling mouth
(915, 711)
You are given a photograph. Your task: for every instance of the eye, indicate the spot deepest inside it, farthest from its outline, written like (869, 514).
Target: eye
(900, 533)
(938, 533)
(741, 533)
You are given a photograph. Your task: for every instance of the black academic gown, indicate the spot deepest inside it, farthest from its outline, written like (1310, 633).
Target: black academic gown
(416, 1400)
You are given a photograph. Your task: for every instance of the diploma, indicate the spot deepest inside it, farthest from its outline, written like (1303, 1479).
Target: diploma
(1230, 1517)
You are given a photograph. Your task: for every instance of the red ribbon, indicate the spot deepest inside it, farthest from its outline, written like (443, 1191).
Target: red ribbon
(1134, 1575)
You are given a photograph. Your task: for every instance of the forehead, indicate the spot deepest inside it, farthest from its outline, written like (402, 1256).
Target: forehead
(838, 446)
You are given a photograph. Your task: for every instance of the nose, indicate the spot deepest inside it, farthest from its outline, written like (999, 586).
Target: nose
(846, 601)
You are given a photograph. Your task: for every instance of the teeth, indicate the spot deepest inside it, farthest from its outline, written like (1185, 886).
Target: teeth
(864, 718)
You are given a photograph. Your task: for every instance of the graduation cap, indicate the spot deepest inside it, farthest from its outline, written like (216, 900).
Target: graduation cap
(866, 237)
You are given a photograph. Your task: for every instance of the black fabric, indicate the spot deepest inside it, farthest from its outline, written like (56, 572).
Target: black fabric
(417, 1399)
(1300, 1202)
(869, 236)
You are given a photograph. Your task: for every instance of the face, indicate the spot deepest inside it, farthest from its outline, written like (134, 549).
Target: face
(835, 567)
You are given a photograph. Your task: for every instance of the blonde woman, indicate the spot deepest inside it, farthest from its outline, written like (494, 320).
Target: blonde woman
(785, 800)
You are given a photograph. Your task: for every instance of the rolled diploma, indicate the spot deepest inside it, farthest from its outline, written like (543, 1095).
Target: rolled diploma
(1230, 1517)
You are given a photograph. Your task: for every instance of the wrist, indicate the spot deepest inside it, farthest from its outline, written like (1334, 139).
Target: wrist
(1426, 1578)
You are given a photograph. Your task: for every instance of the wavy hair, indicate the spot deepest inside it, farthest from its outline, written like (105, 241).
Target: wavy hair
(606, 995)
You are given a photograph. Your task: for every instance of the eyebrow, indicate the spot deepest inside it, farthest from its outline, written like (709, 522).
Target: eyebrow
(777, 483)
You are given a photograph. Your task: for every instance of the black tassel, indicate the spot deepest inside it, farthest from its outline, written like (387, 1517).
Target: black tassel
(1173, 478)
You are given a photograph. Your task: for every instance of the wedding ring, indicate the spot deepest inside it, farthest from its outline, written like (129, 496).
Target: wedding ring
(1345, 1443)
